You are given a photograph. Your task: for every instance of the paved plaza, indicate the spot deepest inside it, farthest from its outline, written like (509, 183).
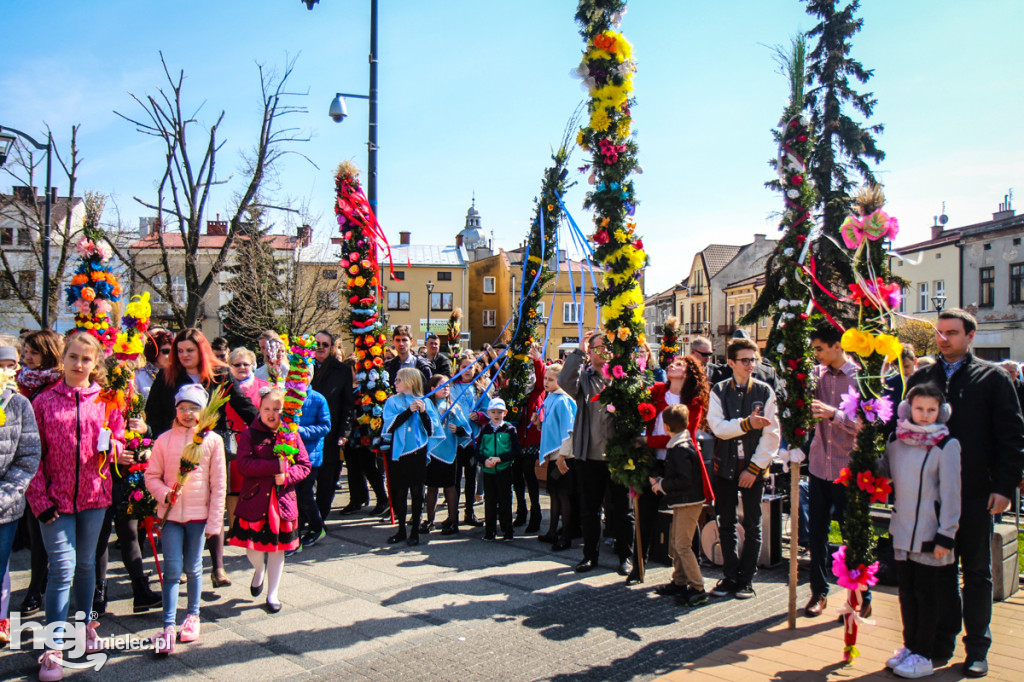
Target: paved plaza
(453, 608)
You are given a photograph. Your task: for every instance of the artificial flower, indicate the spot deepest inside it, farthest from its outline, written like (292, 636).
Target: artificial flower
(866, 481)
(889, 346)
(844, 476)
(647, 411)
(856, 341)
(618, 372)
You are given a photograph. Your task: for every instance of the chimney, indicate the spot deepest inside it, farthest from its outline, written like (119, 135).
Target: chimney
(936, 229)
(458, 240)
(23, 194)
(217, 228)
(304, 234)
(759, 238)
(54, 192)
(403, 238)
(1005, 209)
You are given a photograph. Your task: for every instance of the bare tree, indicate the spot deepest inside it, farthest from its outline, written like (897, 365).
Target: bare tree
(23, 214)
(183, 190)
(312, 295)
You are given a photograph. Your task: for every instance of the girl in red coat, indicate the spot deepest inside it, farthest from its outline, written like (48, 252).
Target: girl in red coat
(267, 514)
(687, 385)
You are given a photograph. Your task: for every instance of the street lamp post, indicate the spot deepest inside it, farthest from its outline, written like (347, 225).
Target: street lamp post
(430, 293)
(339, 111)
(5, 145)
(939, 301)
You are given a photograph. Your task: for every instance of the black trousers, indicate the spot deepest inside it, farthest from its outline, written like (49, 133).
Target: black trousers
(596, 481)
(647, 505)
(127, 537)
(928, 594)
(309, 510)
(466, 462)
(524, 480)
(406, 476)
(327, 477)
(364, 468)
(561, 491)
(827, 501)
(974, 552)
(739, 568)
(39, 564)
(498, 502)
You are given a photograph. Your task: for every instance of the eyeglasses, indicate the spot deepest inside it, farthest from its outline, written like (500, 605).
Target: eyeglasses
(702, 353)
(188, 409)
(746, 361)
(324, 344)
(239, 365)
(165, 351)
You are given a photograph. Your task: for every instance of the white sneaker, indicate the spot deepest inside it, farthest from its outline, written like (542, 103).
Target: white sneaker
(900, 656)
(913, 667)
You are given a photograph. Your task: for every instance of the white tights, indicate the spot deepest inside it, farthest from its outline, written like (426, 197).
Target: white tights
(274, 568)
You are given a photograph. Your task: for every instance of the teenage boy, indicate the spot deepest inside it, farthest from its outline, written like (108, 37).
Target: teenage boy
(986, 419)
(742, 417)
(401, 339)
(834, 436)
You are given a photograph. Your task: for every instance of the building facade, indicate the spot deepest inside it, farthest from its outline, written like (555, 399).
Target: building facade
(740, 297)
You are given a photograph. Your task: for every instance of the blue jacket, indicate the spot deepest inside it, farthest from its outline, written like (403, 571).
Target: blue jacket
(314, 424)
(556, 428)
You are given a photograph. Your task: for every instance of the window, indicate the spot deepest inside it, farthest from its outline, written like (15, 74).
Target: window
(398, 300)
(986, 287)
(1017, 283)
(987, 247)
(398, 276)
(24, 237)
(178, 290)
(7, 236)
(940, 288)
(1016, 241)
(693, 312)
(327, 300)
(442, 301)
(489, 286)
(732, 315)
(922, 292)
(444, 277)
(540, 309)
(572, 313)
(329, 274)
(27, 283)
(764, 323)
(903, 299)
(938, 255)
(489, 318)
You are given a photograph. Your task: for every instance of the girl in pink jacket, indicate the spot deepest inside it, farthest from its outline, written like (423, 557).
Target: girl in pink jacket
(70, 492)
(195, 514)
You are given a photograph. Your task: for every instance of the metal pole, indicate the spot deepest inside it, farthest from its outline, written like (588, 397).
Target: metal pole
(46, 233)
(371, 180)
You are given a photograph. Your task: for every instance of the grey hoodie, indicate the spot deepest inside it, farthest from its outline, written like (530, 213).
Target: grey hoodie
(19, 453)
(926, 489)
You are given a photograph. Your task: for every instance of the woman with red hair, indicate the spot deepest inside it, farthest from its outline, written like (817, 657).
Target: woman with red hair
(688, 385)
(193, 362)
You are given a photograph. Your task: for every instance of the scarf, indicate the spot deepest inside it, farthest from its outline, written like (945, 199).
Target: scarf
(921, 436)
(30, 380)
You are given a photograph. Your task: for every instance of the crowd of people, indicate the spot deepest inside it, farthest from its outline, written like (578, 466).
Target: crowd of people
(955, 453)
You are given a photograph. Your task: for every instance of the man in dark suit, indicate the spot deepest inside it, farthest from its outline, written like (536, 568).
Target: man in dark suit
(440, 361)
(333, 379)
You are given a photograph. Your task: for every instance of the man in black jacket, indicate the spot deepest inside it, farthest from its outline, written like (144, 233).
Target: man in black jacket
(986, 419)
(333, 379)
(401, 339)
(438, 359)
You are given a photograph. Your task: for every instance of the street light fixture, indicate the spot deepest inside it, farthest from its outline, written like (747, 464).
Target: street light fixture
(430, 295)
(6, 140)
(939, 301)
(338, 111)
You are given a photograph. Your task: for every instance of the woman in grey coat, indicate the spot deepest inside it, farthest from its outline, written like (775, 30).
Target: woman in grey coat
(19, 459)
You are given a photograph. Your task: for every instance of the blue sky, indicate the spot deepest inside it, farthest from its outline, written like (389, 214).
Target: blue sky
(474, 93)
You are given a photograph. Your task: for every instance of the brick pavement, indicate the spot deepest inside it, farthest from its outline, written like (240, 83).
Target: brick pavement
(454, 608)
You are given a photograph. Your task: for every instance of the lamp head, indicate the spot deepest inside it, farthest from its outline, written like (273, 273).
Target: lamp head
(6, 141)
(338, 110)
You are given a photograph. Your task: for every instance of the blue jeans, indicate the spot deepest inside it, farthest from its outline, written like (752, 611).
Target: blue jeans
(183, 550)
(70, 543)
(7, 531)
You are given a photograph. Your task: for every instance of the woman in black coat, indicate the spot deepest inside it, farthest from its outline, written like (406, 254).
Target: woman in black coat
(192, 362)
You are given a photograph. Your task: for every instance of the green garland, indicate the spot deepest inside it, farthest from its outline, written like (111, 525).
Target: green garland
(607, 72)
(538, 256)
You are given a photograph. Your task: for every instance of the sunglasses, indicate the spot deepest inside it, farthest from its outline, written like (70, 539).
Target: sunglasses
(239, 365)
(323, 344)
(165, 351)
(702, 353)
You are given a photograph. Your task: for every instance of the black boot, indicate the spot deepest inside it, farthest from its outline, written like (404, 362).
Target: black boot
(470, 520)
(99, 598)
(535, 518)
(520, 518)
(145, 598)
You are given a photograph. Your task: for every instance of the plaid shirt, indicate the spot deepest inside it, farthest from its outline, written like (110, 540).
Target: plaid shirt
(833, 438)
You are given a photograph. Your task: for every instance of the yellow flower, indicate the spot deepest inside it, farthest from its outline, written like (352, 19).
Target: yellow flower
(642, 339)
(629, 466)
(889, 346)
(139, 308)
(856, 341)
(623, 333)
(375, 423)
(380, 396)
(599, 120)
(359, 281)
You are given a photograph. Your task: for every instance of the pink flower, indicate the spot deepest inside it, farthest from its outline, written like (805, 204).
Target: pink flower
(85, 247)
(850, 402)
(104, 251)
(857, 579)
(610, 408)
(618, 372)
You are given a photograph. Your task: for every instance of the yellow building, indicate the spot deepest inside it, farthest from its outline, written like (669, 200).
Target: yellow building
(739, 299)
(931, 270)
(489, 301)
(428, 283)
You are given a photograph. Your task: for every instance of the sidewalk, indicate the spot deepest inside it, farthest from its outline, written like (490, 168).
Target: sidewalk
(813, 651)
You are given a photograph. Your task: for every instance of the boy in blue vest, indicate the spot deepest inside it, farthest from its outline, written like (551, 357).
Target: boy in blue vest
(497, 447)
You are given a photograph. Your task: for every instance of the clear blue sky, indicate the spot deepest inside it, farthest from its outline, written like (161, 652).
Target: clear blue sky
(475, 93)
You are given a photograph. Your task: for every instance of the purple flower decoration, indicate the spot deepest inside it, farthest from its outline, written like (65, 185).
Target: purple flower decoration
(879, 409)
(894, 298)
(850, 403)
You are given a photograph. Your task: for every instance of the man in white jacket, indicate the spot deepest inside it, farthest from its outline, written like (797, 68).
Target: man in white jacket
(742, 415)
